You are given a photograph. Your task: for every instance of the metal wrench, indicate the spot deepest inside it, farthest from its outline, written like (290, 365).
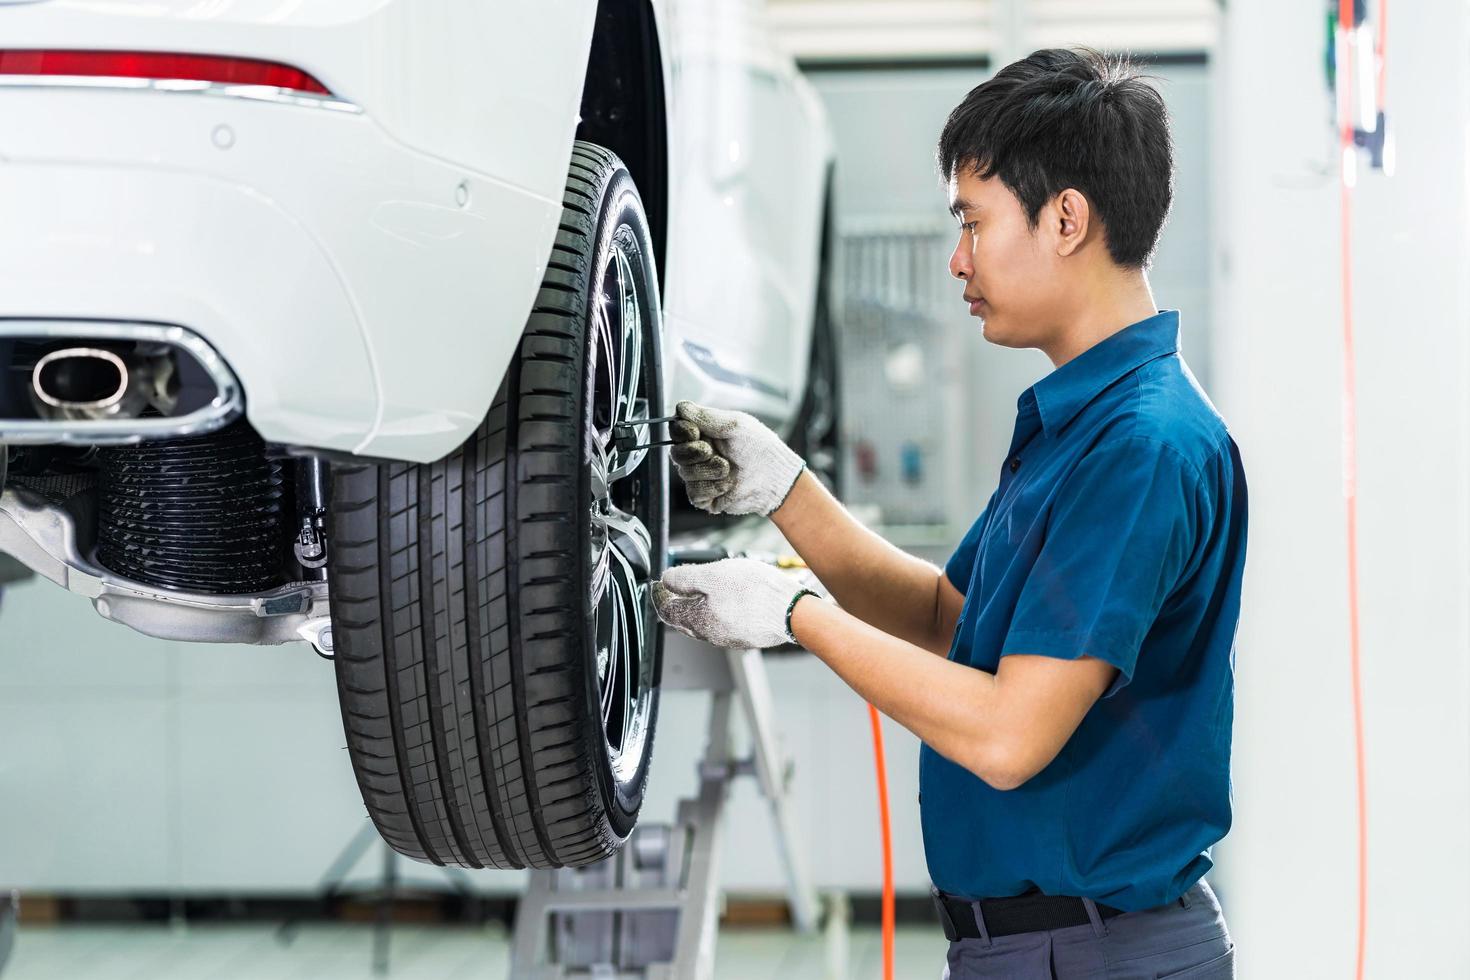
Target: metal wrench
(628, 441)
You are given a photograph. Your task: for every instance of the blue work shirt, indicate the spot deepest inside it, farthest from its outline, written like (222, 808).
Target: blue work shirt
(1118, 531)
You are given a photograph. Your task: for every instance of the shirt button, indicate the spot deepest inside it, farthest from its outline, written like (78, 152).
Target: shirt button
(1015, 463)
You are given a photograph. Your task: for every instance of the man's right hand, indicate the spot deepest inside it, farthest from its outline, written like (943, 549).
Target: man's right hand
(731, 462)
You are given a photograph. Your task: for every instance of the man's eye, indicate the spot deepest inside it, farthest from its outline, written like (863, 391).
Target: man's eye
(968, 226)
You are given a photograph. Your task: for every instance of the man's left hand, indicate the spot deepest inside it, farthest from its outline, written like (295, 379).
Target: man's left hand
(737, 603)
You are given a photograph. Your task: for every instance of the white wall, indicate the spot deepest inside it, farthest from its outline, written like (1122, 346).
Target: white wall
(1289, 867)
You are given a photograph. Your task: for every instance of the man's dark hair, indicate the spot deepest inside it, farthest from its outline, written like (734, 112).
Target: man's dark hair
(1071, 117)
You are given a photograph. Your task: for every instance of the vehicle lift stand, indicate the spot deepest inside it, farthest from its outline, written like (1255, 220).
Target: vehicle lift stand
(651, 910)
(9, 898)
(9, 904)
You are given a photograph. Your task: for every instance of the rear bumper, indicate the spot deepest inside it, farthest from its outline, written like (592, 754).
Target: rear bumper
(368, 297)
(159, 247)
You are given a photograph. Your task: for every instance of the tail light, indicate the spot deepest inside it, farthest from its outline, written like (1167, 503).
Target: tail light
(207, 68)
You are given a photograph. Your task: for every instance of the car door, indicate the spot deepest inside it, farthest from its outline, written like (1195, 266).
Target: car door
(748, 145)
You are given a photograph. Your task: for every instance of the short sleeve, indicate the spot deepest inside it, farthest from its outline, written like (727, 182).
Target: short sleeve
(962, 562)
(1119, 535)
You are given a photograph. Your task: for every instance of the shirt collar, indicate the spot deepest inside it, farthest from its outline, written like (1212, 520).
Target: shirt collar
(1067, 390)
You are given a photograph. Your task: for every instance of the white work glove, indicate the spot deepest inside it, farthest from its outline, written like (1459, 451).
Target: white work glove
(737, 603)
(731, 462)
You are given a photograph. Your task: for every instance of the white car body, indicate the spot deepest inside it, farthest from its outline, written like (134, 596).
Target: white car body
(365, 263)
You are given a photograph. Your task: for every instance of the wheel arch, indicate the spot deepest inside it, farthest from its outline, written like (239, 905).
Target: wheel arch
(624, 106)
(826, 250)
(823, 281)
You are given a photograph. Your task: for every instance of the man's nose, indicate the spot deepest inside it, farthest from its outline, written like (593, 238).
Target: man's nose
(959, 263)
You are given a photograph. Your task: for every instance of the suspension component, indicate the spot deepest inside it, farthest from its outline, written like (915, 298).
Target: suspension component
(200, 514)
(311, 517)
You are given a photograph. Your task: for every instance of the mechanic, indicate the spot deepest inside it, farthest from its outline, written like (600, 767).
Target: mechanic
(1070, 670)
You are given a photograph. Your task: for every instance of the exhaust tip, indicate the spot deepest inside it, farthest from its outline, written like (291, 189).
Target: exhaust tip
(80, 381)
(93, 382)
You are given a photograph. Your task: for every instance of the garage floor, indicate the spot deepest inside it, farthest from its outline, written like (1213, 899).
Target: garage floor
(336, 952)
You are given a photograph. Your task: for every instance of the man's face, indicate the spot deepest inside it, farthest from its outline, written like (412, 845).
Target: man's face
(1006, 264)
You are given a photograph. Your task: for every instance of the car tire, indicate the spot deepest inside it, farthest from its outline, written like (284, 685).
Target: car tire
(497, 653)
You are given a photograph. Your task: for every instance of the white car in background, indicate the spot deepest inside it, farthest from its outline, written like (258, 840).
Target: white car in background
(335, 320)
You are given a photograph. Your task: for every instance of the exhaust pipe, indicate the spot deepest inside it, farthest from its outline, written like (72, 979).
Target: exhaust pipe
(95, 383)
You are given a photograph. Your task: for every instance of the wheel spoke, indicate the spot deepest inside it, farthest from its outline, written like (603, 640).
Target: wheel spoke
(605, 384)
(629, 537)
(620, 583)
(608, 651)
(630, 689)
(601, 573)
(629, 639)
(600, 478)
(630, 363)
(629, 371)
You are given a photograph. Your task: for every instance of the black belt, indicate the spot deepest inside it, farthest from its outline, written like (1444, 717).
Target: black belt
(1028, 912)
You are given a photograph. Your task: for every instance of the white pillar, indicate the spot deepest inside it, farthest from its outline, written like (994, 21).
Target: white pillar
(1289, 867)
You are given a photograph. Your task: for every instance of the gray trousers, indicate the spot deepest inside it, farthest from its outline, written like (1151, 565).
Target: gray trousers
(1187, 940)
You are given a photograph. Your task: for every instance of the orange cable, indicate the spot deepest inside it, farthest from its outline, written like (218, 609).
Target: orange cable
(882, 768)
(1349, 472)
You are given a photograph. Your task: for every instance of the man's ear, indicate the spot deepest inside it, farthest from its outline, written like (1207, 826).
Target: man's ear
(1072, 216)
